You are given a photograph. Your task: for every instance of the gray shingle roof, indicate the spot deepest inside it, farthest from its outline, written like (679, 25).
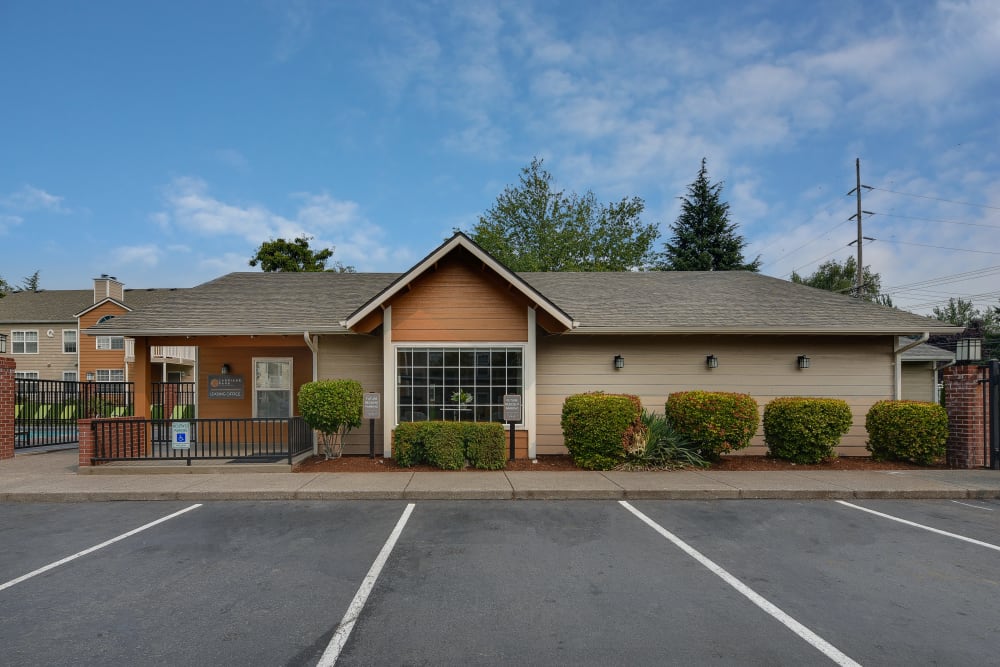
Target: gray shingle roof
(928, 352)
(63, 305)
(602, 303)
(716, 302)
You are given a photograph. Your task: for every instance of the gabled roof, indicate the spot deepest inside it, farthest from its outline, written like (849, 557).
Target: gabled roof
(101, 303)
(62, 306)
(459, 240)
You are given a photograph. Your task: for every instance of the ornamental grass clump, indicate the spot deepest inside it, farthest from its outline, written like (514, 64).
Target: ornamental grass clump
(713, 421)
(907, 431)
(805, 430)
(599, 428)
(658, 446)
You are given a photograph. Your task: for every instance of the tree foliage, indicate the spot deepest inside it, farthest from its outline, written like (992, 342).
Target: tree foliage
(703, 237)
(534, 227)
(295, 256)
(961, 312)
(836, 277)
(5, 288)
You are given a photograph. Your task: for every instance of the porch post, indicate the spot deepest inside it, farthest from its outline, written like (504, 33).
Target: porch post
(966, 416)
(388, 383)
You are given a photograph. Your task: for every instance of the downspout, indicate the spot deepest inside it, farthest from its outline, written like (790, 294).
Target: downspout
(937, 375)
(311, 344)
(898, 363)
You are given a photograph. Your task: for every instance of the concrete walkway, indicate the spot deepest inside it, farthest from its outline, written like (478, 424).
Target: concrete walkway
(52, 477)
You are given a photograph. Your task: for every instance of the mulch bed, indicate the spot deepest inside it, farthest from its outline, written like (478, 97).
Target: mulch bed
(565, 463)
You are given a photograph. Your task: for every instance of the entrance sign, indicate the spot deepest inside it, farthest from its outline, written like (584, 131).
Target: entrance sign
(180, 435)
(225, 386)
(512, 407)
(372, 406)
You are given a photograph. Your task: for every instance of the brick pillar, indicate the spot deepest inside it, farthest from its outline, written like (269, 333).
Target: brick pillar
(7, 398)
(967, 417)
(85, 440)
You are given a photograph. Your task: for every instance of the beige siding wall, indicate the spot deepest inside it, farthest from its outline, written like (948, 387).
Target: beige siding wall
(50, 362)
(918, 381)
(355, 358)
(857, 369)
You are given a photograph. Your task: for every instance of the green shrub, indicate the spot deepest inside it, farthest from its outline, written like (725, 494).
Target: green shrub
(715, 422)
(805, 430)
(484, 445)
(596, 428)
(658, 446)
(443, 445)
(408, 444)
(332, 407)
(907, 431)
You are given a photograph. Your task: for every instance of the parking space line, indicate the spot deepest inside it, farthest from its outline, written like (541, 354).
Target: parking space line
(50, 566)
(339, 638)
(921, 526)
(975, 507)
(814, 640)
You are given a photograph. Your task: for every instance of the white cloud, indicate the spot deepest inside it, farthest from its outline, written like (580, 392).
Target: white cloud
(295, 19)
(329, 221)
(30, 198)
(8, 221)
(147, 255)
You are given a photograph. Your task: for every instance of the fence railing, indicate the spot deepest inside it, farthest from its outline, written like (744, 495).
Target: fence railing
(172, 400)
(243, 440)
(45, 411)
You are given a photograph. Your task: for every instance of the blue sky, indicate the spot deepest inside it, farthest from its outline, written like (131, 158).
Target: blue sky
(162, 142)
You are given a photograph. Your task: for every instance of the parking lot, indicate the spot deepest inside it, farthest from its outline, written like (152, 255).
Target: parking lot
(500, 582)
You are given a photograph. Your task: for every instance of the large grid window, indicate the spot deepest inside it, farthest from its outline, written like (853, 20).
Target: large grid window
(110, 375)
(24, 342)
(456, 383)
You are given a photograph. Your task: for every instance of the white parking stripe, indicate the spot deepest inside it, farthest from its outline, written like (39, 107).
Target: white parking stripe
(921, 526)
(977, 507)
(814, 640)
(24, 577)
(339, 638)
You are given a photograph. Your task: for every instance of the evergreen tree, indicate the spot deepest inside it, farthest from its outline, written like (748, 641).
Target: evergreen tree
(703, 237)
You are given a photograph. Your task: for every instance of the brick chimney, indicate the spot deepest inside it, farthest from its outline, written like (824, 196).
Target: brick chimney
(107, 287)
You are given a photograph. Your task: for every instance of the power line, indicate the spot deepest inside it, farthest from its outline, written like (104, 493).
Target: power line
(835, 250)
(939, 247)
(950, 201)
(951, 278)
(808, 243)
(950, 222)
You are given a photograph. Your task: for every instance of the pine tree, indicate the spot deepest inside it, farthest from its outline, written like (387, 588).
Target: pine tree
(703, 237)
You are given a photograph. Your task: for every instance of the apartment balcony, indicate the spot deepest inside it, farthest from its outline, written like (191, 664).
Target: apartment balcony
(162, 354)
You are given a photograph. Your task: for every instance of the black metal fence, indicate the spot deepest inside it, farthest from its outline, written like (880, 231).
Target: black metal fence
(45, 411)
(172, 400)
(240, 440)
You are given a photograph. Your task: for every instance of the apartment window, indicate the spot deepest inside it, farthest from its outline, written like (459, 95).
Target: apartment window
(25, 375)
(24, 342)
(109, 375)
(69, 341)
(69, 376)
(456, 383)
(110, 342)
(272, 388)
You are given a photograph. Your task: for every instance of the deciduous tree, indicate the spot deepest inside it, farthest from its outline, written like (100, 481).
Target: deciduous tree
(282, 255)
(834, 276)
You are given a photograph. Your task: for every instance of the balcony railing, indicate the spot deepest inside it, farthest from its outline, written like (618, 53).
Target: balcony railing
(161, 353)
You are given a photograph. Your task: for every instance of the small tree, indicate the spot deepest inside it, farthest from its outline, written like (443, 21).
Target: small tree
(295, 256)
(332, 407)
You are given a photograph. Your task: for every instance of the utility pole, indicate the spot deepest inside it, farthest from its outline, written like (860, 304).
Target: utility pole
(859, 280)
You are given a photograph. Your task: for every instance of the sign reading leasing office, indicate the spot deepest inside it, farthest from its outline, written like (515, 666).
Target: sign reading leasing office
(225, 386)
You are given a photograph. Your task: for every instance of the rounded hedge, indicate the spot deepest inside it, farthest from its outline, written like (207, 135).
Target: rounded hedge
(907, 431)
(805, 430)
(717, 422)
(596, 425)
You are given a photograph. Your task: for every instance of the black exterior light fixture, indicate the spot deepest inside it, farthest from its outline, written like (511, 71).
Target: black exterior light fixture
(225, 369)
(712, 361)
(803, 361)
(619, 362)
(969, 349)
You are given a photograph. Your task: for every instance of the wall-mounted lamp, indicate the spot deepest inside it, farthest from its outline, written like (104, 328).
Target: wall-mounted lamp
(712, 361)
(969, 349)
(225, 369)
(803, 361)
(619, 362)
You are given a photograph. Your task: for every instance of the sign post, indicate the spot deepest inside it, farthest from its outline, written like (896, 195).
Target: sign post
(372, 411)
(512, 415)
(180, 438)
